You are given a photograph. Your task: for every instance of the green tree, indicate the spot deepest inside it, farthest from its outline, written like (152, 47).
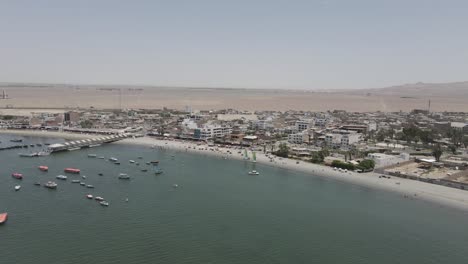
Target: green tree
(283, 150)
(343, 165)
(465, 141)
(453, 149)
(437, 152)
(86, 124)
(366, 165)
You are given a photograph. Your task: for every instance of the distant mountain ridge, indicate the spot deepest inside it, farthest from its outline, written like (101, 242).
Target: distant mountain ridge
(453, 89)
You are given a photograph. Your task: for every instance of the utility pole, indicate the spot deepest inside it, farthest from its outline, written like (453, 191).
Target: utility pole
(120, 99)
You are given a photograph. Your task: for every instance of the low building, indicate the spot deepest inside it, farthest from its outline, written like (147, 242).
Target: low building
(384, 160)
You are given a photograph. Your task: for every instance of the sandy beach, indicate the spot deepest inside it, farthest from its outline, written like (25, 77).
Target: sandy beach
(409, 189)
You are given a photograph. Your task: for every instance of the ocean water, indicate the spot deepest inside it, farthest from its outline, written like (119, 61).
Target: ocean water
(218, 214)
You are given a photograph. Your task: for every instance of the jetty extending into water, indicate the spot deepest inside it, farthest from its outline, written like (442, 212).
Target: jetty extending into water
(85, 143)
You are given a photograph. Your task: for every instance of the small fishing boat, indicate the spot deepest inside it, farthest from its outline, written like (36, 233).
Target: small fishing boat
(16, 140)
(113, 159)
(175, 185)
(89, 196)
(104, 203)
(43, 168)
(28, 155)
(254, 172)
(51, 185)
(92, 155)
(148, 163)
(37, 183)
(98, 198)
(100, 174)
(124, 176)
(17, 175)
(3, 217)
(72, 170)
(89, 186)
(82, 183)
(101, 157)
(84, 176)
(131, 161)
(75, 181)
(61, 177)
(144, 170)
(126, 200)
(140, 157)
(17, 187)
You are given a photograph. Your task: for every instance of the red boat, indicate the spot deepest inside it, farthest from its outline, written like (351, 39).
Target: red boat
(72, 170)
(3, 217)
(43, 168)
(16, 175)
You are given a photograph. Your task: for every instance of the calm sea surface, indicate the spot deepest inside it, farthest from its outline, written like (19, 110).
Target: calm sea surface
(218, 214)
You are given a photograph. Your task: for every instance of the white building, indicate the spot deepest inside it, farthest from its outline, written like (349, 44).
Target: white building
(384, 160)
(212, 131)
(342, 139)
(304, 124)
(264, 123)
(322, 121)
(299, 138)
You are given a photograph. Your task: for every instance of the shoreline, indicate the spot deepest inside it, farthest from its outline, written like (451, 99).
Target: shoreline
(436, 194)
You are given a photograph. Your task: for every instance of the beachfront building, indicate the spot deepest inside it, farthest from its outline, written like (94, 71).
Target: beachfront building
(211, 131)
(384, 160)
(342, 139)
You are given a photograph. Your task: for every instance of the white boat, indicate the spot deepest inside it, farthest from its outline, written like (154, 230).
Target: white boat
(92, 155)
(17, 187)
(61, 177)
(82, 183)
(124, 176)
(89, 186)
(89, 196)
(175, 185)
(98, 198)
(131, 161)
(113, 159)
(100, 157)
(51, 185)
(75, 181)
(104, 203)
(72, 149)
(84, 176)
(254, 172)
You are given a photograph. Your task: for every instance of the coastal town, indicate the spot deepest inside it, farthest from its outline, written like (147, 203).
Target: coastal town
(420, 145)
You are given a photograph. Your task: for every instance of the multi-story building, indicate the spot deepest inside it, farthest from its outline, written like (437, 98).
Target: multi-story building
(304, 124)
(211, 131)
(343, 139)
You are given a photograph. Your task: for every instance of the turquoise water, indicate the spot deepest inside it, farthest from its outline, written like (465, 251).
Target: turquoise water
(218, 214)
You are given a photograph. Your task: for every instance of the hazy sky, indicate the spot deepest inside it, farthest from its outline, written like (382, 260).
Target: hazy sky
(280, 44)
